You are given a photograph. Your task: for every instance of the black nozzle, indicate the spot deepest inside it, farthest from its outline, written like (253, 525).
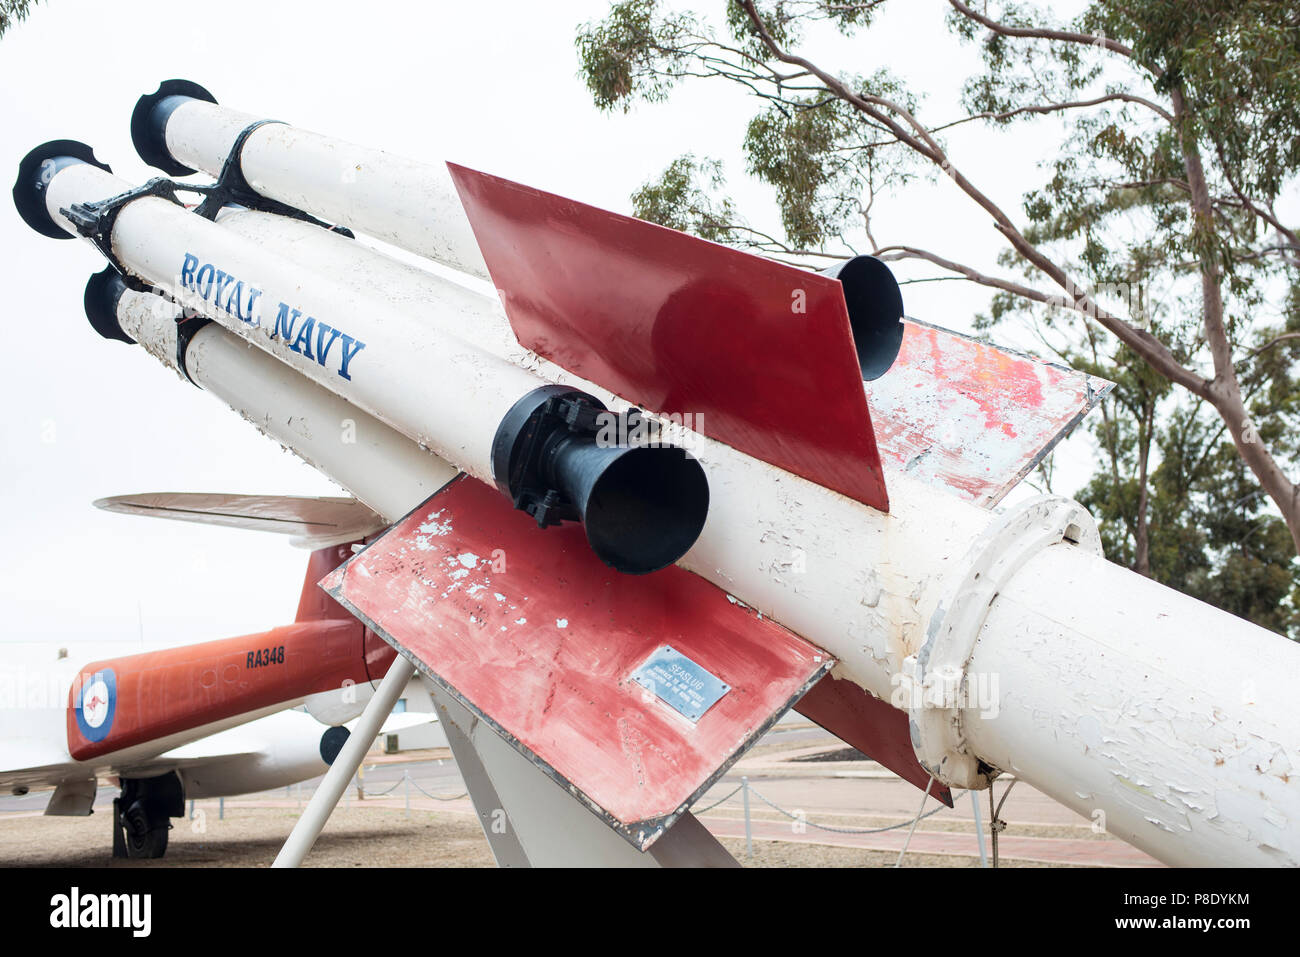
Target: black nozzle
(560, 456)
(875, 312)
(34, 174)
(149, 122)
(642, 507)
(103, 292)
(332, 741)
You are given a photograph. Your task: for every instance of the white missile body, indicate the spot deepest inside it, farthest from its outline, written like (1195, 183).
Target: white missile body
(325, 330)
(378, 465)
(409, 204)
(1109, 692)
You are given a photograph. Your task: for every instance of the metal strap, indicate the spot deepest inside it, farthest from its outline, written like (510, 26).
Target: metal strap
(95, 220)
(232, 187)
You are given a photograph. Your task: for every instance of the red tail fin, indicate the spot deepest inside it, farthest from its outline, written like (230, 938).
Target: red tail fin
(659, 317)
(315, 604)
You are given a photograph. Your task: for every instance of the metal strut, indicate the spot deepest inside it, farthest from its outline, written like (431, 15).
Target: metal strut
(345, 765)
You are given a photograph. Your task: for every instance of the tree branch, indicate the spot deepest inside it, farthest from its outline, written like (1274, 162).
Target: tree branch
(1043, 108)
(1269, 345)
(1265, 214)
(1042, 33)
(895, 253)
(1151, 349)
(1225, 390)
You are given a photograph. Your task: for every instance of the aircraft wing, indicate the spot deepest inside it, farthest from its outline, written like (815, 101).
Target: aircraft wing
(27, 762)
(401, 722)
(258, 737)
(313, 522)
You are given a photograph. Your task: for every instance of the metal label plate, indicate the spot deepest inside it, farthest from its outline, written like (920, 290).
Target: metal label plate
(680, 683)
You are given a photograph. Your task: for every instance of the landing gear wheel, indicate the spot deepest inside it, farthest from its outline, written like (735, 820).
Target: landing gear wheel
(145, 834)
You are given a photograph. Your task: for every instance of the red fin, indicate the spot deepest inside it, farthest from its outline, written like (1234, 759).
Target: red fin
(536, 636)
(759, 352)
(874, 727)
(971, 417)
(314, 604)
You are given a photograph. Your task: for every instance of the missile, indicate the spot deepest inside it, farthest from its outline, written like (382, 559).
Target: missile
(642, 506)
(181, 129)
(1113, 694)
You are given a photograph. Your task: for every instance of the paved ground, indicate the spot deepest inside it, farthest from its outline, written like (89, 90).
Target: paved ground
(416, 812)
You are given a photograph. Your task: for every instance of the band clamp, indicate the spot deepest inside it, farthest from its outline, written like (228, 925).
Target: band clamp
(186, 327)
(935, 685)
(232, 187)
(95, 220)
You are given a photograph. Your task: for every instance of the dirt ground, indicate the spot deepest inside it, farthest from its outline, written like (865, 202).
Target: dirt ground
(355, 837)
(251, 837)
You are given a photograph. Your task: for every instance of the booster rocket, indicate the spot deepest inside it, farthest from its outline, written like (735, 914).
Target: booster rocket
(787, 491)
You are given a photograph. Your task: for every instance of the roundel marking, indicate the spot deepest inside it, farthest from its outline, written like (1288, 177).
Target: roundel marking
(97, 705)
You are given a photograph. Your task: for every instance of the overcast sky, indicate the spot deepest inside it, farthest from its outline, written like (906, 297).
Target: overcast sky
(492, 84)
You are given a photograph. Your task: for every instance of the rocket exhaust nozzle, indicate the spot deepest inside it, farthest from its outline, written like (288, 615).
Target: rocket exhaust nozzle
(149, 122)
(641, 506)
(34, 174)
(103, 292)
(875, 312)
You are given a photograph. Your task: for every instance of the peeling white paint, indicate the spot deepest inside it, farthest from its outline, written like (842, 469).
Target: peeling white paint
(1133, 705)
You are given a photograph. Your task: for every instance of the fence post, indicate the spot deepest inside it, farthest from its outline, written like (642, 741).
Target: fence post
(221, 809)
(979, 828)
(406, 785)
(749, 836)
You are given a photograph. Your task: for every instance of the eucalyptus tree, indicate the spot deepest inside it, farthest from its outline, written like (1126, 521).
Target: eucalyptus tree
(12, 11)
(1179, 133)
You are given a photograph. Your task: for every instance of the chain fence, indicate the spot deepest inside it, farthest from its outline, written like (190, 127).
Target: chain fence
(744, 789)
(364, 792)
(802, 819)
(798, 817)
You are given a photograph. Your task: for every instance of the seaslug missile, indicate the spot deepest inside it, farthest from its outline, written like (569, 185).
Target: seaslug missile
(1112, 694)
(323, 329)
(380, 466)
(901, 600)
